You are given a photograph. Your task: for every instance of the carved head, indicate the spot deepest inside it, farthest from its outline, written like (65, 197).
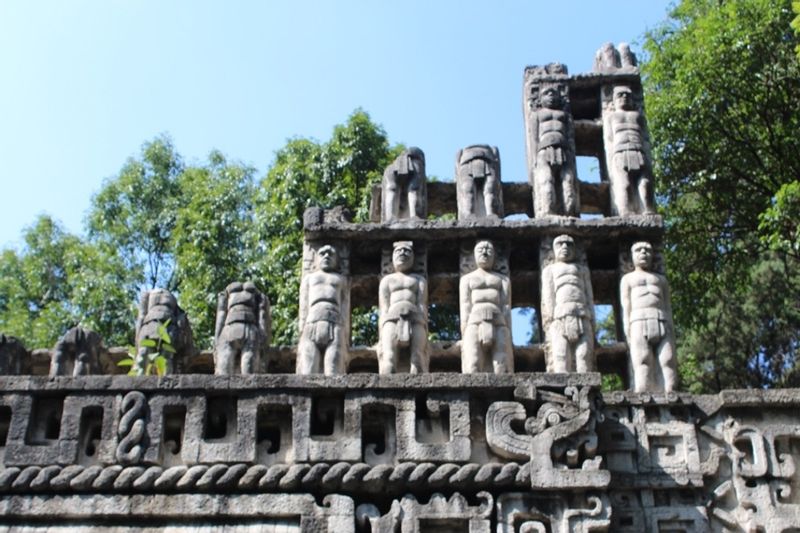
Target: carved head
(403, 256)
(327, 258)
(160, 296)
(642, 255)
(564, 248)
(484, 255)
(551, 97)
(623, 98)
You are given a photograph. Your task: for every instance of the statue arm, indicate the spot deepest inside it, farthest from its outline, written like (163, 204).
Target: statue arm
(303, 303)
(222, 311)
(143, 307)
(465, 306)
(422, 295)
(265, 318)
(667, 302)
(587, 282)
(625, 302)
(534, 134)
(548, 297)
(506, 301)
(384, 295)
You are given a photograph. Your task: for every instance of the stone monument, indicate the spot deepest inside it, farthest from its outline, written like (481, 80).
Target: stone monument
(334, 436)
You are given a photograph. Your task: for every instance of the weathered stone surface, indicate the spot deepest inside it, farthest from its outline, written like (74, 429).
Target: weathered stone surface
(159, 307)
(243, 329)
(404, 187)
(77, 353)
(480, 192)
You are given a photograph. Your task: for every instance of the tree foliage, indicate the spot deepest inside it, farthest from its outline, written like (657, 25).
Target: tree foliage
(307, 173)
(722, 84)
(57, 281)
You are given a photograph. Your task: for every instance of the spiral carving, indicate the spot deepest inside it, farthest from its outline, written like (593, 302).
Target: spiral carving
(132, 429)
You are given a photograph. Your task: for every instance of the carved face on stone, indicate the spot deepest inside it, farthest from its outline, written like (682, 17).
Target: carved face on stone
(551, 98)
(642, 255)
(484, 255)
(403, 256)
(327, 258)
(623, 98)
(564, 248)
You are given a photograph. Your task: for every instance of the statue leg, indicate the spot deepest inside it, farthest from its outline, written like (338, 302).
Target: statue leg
(414, 204)
(307, 356)
(491, 198)
(559, 350)
(140, 361)
(569, 192)
(419, 352)
(387, 360)
(333, 361)
(57, 363)
(391, 204)
(645, 194)
(641, 359)
(503, 353)
(584, 351)
(224, 358)
(81, 364)
(544, 193)
(665, 351)
(620, 185)
(467, 197)
(249, 362)
(470, 350)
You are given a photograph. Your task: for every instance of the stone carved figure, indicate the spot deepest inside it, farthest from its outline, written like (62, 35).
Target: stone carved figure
(647, 322)
(323, 334)
(404, 188)
(568, 310)
(485, 297)
(630, 171)
(403, 322)
(243, 329)
(610, 59)
(550, 133)
(14, 358)
(156, 307)
(77, 353)
(480, 194)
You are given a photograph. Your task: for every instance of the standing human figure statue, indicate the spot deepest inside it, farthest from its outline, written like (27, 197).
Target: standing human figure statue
(242, 329)
(403, 322)
(554, 178)
(77, 353)
(158, 307)
(323, 336)
(630, 171)
(404, 188)
(647, 322)
(568, 310)
(480, 194)
(485, 297)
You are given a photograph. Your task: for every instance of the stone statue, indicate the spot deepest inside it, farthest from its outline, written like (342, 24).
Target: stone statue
(77, 353)
(610, 59)
(14, 358)
(630, 171)
(156, 307)
(323, 335)
(243, 329)
(480, 194)
(568, 310)
(404, 188)
(485, 297)
(403, 322)
(647, 321)
(550, 135)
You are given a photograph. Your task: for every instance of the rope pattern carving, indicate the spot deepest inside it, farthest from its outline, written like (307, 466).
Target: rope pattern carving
(348, 477)
(132, 430)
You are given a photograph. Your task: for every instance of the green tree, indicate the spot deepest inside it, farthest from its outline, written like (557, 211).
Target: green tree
(308, 173)
(722, 85)
(57, 281)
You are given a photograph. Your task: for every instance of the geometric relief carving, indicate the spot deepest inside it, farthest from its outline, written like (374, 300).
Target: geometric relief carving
(553, 513)
(439, 514)
(560, 440)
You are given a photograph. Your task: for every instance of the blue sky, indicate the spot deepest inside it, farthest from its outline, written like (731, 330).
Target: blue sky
(85, 83)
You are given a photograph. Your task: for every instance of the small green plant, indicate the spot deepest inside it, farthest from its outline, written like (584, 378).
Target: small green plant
(156, 364)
